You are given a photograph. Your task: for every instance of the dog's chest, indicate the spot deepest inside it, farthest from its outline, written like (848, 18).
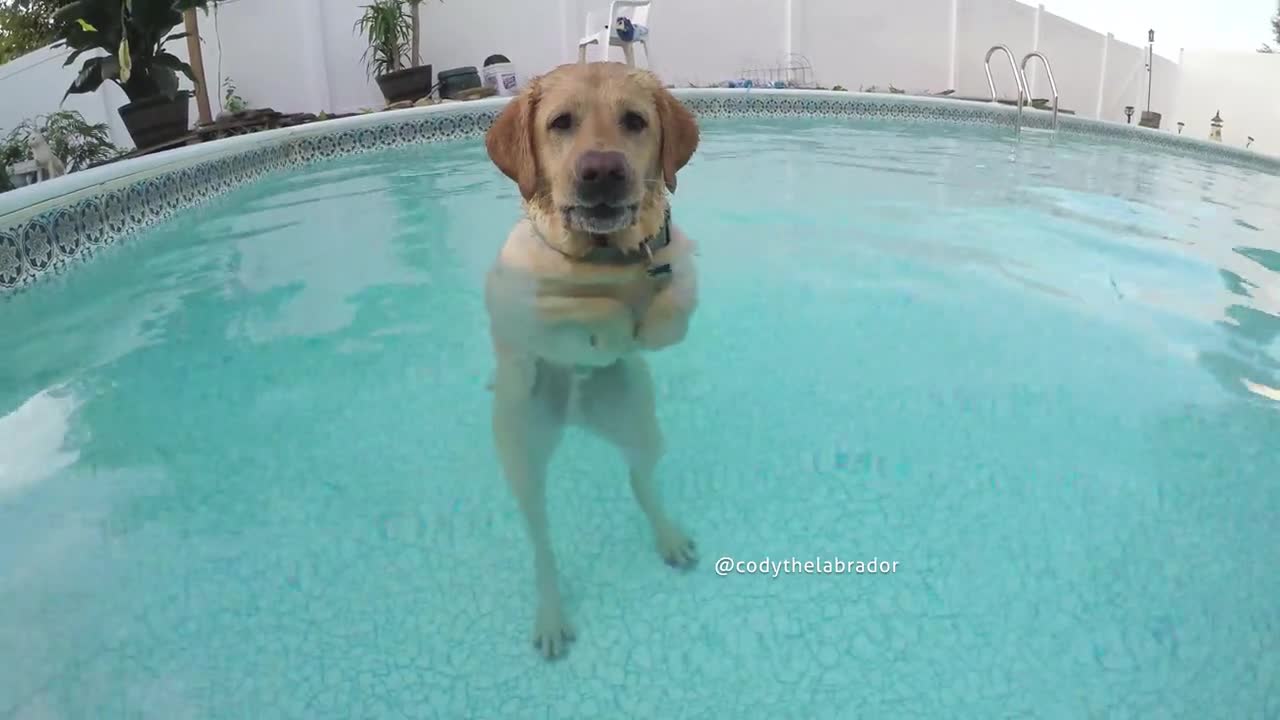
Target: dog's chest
(637, 292)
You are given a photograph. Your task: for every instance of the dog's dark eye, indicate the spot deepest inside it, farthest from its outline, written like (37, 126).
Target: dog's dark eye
(563, 121)
(634, 121)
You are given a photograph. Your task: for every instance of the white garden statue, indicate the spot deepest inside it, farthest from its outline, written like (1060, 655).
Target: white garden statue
(51, 165)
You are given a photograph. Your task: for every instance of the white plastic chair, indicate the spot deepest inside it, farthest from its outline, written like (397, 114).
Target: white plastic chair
(599, 31)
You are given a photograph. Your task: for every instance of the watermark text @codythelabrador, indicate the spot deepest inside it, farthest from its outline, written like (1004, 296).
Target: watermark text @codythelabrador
(806, 566)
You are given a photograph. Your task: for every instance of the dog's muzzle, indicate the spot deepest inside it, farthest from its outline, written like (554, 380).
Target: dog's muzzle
(605, 184)
(604, 178)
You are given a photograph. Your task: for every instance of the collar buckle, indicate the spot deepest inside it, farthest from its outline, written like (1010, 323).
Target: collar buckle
(655, 270)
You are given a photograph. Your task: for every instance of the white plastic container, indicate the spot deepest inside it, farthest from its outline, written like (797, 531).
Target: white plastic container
(502, 77)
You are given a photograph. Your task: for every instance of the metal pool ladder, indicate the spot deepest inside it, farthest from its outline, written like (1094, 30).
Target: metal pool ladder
(1017, 77)
(1020, 76)
(1048, 71)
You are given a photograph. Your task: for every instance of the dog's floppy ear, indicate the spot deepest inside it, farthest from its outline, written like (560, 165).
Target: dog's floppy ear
(510, 141)
(679, 135)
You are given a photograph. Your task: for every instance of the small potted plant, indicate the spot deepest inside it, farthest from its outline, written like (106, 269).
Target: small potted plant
(232, 103)
(133, 33)
(392, 57)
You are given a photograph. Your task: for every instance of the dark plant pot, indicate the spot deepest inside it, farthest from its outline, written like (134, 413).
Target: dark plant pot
(406, 84)
(157, 120)
(458, 80)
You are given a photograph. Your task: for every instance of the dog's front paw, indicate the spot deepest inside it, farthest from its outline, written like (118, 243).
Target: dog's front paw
(551, 633)
(658, 333)
(676, 549)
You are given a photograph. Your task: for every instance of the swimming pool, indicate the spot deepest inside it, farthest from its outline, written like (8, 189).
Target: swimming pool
(245, 467)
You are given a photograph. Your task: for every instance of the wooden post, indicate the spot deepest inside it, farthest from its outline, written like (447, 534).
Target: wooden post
(197, 65)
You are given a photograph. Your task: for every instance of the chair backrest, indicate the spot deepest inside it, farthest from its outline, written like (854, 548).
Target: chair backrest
(637, 11)
(640, 15)
(603, 18)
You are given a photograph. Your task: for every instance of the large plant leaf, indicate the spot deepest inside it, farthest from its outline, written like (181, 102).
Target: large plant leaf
(154, 18)
(92, 74)
(147, 22)
(166, 80)
(72, 11)
(174, 64)
(72, 19)
(73, 56)
(126, 60)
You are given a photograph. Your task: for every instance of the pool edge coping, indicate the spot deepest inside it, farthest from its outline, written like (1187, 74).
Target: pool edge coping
(39, 221)
(140, 168)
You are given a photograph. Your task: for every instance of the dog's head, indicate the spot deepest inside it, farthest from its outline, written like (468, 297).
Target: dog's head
(594, 144)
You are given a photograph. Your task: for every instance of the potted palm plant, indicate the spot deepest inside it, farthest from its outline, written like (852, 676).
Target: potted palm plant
(133, 34)
(392, 29)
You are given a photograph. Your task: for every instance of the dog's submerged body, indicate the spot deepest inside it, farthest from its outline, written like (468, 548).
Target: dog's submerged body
(593, 277)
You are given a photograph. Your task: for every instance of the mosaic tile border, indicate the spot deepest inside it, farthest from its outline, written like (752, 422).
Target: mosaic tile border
(71, 231)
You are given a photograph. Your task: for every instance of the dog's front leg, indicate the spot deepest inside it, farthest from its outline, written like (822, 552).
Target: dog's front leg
(666, 320)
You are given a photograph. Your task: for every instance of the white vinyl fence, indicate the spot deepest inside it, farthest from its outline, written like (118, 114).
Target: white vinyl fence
(303, 55)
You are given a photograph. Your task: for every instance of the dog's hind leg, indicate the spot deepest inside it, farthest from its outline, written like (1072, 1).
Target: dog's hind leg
(617, 403)
(527, 428)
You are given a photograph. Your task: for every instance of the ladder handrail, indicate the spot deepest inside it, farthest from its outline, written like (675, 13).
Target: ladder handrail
(1048, 72)
(1017, 78)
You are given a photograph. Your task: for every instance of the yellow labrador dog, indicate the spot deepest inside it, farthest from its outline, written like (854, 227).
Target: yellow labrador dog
(594, 275)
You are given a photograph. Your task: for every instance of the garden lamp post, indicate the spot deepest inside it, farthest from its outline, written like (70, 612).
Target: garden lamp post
(1150, 119)
(1151, 61)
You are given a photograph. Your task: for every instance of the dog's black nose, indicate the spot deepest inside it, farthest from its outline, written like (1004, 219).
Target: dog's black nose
(602, 176)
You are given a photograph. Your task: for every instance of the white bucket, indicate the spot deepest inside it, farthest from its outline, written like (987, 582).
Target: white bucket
(502, 77)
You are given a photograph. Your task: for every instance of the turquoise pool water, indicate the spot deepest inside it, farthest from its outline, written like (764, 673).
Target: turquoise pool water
(245, 468)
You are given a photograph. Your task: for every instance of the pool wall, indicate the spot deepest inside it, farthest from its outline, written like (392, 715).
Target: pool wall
(48, 227)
